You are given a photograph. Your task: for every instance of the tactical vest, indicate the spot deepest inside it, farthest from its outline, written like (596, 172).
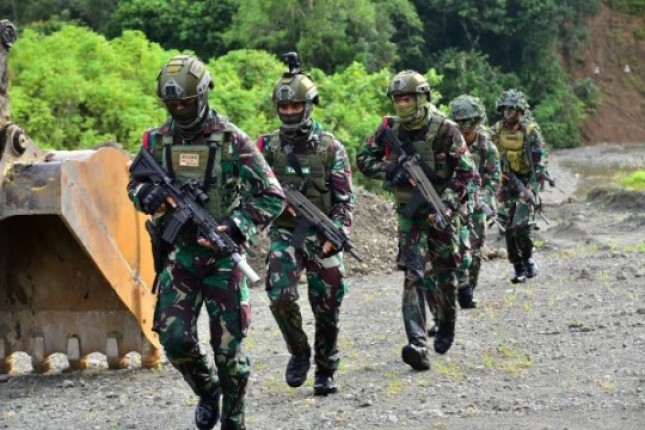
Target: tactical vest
(430, 149)
(189, 161)
(513, 147)
(315, 163)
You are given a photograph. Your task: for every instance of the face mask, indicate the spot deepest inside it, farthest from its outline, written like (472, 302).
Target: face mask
(291, 120)
(186, 115)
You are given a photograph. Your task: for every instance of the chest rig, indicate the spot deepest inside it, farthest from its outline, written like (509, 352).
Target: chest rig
(514, 149)
(432, 150)
(307, 170)
(208, 161)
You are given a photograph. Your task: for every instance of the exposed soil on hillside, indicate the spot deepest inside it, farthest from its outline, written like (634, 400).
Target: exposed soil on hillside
(561, 351)
(618, 54)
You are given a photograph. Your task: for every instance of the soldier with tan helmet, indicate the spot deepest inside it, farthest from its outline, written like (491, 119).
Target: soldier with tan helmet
(305, 156)
(523, 156)
(436, 142)
(201, 147)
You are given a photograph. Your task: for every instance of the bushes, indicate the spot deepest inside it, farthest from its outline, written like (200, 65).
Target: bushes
(73, 88)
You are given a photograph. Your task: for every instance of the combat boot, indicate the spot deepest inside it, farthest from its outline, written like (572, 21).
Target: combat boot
(531, 267)
(520, 274)
(416, 357)
(324, 383)
(297, 368)
(465, 298)
(432, 331)
(207, 410)
(445, 336)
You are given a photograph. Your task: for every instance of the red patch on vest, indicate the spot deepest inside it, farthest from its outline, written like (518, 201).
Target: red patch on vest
(145, 139)
(261, 143)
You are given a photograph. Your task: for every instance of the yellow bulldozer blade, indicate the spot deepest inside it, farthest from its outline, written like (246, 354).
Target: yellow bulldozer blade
(75, 260)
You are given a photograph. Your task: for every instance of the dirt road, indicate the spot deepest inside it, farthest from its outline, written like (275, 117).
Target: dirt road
(566, 350)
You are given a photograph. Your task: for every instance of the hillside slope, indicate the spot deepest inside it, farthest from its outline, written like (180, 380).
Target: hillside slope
(611, 46)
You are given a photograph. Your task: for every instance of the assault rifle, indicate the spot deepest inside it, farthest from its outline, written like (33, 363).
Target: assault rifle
(308, 214)
(481, 204)
(189, 199)
(528, 195)
(425, 191)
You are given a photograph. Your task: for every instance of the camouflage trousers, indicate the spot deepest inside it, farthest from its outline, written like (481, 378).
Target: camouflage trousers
(466, 252)
(193, 276)
(471, 243)
(326, 285)
(518, 218)
(421, 241)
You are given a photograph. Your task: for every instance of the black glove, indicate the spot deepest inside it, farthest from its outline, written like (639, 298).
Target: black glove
(396, 174)
(151, 197)
(233, 231)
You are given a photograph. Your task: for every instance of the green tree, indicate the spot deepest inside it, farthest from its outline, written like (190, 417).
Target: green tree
(196, 25)
(91, 13)
(328, 34)
(471, 73)
(75, 89)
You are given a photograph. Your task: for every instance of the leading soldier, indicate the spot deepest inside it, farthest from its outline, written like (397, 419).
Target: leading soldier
(197, 143)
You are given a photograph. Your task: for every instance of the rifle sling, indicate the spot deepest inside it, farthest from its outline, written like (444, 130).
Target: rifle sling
(169, 168)
(210, 164)
(295, 164)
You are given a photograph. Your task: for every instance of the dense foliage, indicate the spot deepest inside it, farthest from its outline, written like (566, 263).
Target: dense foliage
(634, 7)
(351, 46)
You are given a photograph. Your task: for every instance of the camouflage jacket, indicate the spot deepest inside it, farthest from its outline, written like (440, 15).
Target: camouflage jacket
(486, 158)
(338, 173)
(261, 197)
(374, 156)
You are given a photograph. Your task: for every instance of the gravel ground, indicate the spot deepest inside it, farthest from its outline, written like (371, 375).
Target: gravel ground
(566, 350)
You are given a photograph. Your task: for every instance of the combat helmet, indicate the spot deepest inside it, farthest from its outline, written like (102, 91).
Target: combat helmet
(467, 107)
(410, 82)
(185, 78)
(294, 87)
(514, 99)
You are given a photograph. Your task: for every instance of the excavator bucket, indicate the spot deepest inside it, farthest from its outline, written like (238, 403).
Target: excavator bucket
(75, 259)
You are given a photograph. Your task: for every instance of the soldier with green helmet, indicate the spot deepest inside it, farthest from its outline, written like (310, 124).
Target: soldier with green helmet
(469, 114)
(523, 154)
(305, 156)
(437, 143)
(200, 145)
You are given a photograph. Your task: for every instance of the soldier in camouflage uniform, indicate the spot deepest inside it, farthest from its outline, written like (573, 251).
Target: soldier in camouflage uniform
(199, 143)
(305, 156)
(468, 112)
(437, 141)
(522, 152)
